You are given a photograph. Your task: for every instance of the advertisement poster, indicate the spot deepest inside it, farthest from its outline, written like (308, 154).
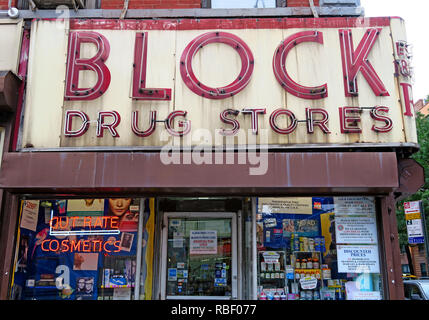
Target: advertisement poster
(286, 205)
(358, 259)
(85, 207)
(354, 206)
(203, 241)
(353, 230)
(30, 213)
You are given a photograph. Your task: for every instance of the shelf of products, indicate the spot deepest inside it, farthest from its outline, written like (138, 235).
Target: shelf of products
(330, 246)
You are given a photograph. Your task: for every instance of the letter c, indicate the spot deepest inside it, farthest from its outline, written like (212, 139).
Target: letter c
(282, 76)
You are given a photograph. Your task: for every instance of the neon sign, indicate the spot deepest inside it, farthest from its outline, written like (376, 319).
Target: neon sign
(95, 225)
(88, 225)
(81, 245)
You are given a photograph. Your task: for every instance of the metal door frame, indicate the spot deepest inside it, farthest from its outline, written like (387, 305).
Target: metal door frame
(234, 253)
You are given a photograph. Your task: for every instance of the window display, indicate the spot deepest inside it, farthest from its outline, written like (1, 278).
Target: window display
(83, 249)
(318, 249)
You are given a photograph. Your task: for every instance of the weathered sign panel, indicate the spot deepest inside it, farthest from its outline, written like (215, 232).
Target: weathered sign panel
(10, 35)
(275, 82)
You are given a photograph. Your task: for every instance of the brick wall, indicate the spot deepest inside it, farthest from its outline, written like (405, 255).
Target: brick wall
(163, 4)
(4, 4)
(177, 4)
(151, 4)
(301, 3)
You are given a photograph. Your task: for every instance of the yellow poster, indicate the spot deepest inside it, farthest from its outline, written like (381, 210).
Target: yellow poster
(327, 222)
(150, 229)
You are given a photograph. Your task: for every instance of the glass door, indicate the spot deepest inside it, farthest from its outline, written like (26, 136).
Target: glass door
(199, 256)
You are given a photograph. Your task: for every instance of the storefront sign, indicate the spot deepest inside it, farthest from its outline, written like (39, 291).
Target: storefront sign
(358, 259)
(136, 83)
(203, 241)
(355, 230)
(413, 218)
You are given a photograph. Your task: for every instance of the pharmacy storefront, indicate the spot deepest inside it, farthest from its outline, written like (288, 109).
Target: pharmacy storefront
(210, 159)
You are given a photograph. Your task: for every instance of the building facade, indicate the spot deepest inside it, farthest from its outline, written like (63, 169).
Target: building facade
(205, 152)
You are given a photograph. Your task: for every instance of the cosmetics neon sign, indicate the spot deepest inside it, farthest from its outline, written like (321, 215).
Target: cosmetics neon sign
(82, 226)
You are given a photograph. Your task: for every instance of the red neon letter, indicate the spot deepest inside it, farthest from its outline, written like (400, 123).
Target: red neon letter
(135, 124)
(279, 66)
(169, 124)
(407, 90)
(68, 125)
(378, 117)
(110, 126)
(191, 81)
(355, 61)
(117, 244)
(51, 223)
(322, 123)
(140, 92)
(75, 64)
(348, 123)
(87, 222)
(254, 113)
(235, 124)
(42, 245)
(64, 245)
(275, 127)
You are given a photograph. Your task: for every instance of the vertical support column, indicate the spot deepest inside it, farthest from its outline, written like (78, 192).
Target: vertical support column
(391, 248)
(139, 251)
(7, 241)
(254, 251)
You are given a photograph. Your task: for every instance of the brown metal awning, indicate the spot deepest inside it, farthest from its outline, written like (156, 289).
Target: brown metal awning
(129, 173)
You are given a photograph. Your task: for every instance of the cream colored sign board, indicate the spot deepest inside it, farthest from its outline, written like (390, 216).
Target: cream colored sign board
(310, 64)
(10, 35)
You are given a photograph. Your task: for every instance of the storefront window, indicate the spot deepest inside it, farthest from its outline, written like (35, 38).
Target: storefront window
(318, 249)
(199, 257)
(84, 249)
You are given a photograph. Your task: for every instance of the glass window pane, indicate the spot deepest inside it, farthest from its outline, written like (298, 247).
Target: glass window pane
(199, 257)
(243, 4)
(318, 248)
(81, 249)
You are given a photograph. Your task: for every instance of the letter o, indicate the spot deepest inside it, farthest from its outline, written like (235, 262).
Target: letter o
(273, 121)
(191, 81)
(57, 243)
